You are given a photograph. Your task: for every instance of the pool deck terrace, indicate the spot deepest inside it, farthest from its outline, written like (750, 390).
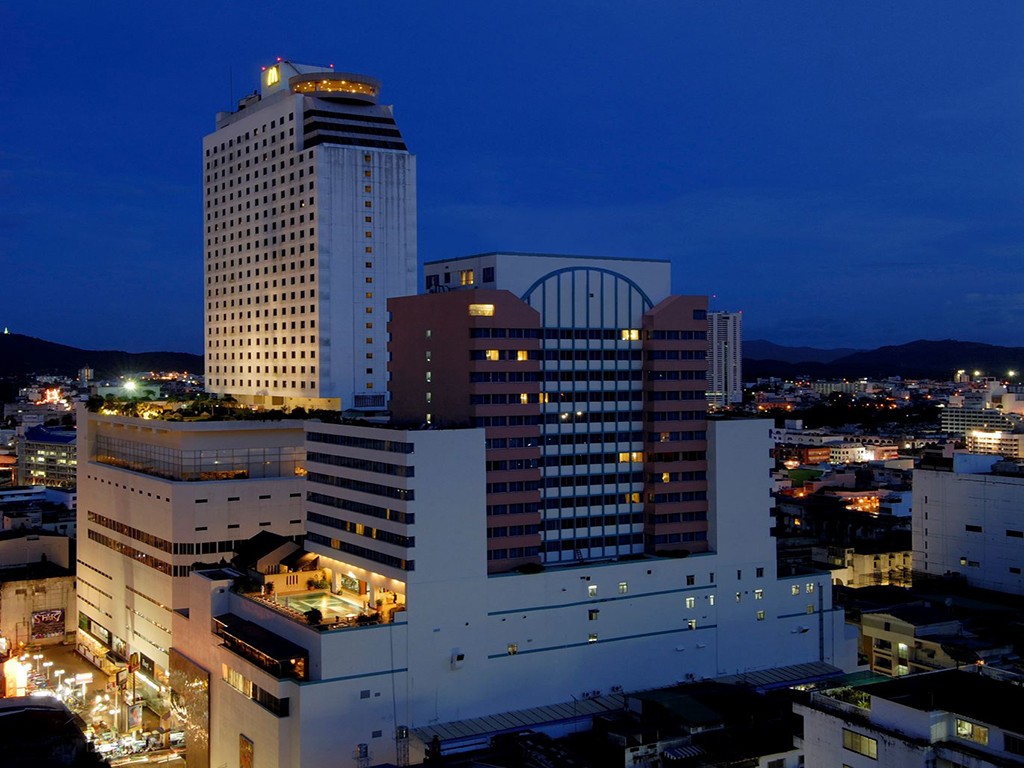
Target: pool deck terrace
(337, 612)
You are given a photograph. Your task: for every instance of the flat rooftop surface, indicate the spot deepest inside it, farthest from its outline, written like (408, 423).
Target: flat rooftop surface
(970, 694)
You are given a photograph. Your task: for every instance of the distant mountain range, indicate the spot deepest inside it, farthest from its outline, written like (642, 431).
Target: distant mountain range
(759, 349)
(917, 359)
(21, 355)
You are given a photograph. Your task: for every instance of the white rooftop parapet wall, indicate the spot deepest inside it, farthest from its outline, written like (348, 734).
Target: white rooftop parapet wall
(517, 272)
(973, 463)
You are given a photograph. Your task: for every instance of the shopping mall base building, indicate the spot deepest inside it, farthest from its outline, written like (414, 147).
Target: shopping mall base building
(261, 684)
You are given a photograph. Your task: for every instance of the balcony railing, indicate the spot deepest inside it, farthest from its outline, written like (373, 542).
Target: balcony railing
(273, 654)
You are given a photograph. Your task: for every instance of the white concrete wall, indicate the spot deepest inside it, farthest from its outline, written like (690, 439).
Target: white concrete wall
(342, 261)
(31, 548)
(739, 492)
(823, 743)
(946, 503)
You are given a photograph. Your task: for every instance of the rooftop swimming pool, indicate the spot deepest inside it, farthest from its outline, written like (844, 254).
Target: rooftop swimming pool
(328, 604)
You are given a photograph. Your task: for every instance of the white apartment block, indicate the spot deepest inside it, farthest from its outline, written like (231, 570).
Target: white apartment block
(403, 511)
(157, 496)
(1008, 444)
(965, 419)
(725, 358)
(970, 522)
(310, 226)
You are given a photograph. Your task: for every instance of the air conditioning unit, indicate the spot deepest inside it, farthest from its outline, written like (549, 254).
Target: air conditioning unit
(458, 657)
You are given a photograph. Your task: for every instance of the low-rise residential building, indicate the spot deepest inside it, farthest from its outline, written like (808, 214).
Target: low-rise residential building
(17, 494)
(30, 414)
(1006, 444)
(804, 454)
(897, 503)
(42, 515)
(50, 509)
(819, 523)
(917, 637)
(913, 630)
(46, 508)
(47, 456)
(948, 718)
(869, 563)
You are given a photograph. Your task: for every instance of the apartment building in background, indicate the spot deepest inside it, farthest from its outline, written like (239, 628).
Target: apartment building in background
(46, 456)
(725, 358)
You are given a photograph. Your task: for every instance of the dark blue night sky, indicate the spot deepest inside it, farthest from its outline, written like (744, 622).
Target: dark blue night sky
(847, 174)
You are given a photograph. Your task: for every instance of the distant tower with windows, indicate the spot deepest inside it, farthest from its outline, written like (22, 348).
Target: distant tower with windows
(309, 210)
(725, 358)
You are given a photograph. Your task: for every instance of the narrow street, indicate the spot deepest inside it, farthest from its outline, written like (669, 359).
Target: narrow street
(93, 696)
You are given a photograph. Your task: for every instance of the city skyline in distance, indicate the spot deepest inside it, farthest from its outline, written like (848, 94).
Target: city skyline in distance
(844, 178)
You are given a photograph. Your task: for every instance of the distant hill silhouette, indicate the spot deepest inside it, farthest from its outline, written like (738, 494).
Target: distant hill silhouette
(21, 355)
(760, 349)
(917, 359)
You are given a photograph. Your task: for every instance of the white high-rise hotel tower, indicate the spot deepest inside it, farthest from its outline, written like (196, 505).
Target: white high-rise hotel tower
(310, 226)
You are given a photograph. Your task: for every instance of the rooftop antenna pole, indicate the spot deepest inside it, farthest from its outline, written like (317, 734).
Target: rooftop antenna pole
(231, 86)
